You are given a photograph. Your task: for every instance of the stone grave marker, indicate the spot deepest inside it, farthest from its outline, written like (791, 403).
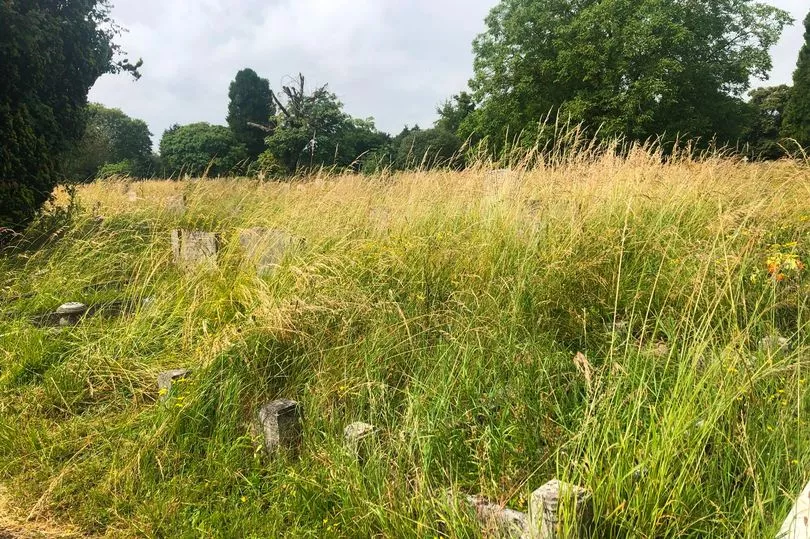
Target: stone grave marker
(546, 504)
(194, 247)
(71, 313)
(266, 247)
(167, 378)
(499, 522)
(176, 203)
(280, 423)
(356, 437)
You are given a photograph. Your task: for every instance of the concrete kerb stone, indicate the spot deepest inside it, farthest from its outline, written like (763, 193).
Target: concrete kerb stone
(797, 523)
(280, 422)
(195, 247)
(166, 378)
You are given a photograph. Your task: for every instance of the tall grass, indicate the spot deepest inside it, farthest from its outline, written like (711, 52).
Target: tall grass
(447, 309)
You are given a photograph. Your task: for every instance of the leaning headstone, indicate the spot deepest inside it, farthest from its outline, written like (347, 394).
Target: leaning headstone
(266, 247)
(132, 196)
(71, 313)
(499, 522)
(356, 436)
(797, 523)
(552, 500)
(194, 247)
(167, 378)
(280, 422)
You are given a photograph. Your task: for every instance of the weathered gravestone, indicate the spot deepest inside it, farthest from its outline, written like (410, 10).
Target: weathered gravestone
(267, 247)
(551, 502)
(70, 313)
(194, 247)
(167, 378)
(499, 522)
(176, 203)
(280, 423)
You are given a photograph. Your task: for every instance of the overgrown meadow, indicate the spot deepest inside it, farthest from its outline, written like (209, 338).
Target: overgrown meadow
(446, 308)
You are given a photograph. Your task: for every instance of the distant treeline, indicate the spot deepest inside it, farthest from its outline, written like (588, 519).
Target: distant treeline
(636, 70)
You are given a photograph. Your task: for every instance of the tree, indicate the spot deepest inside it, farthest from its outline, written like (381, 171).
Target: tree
(429, 148)
(111, 137)
(454, 112)
(312, 130)
(797, 113)
(51, 53)
(200, 148)
(632, 67)
(251, 102)
(768, 107)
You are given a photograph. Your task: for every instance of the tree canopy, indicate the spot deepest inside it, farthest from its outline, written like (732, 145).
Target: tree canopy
(312, 130)
(200, 148)
(51, 53)
(111, 137)
(797, 113)
(637, 68)
(251, 102)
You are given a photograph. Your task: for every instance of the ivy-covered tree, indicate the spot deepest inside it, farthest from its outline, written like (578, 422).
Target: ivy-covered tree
(251, 102)
(51, 53)
(201, 148)
(632, 67)
(797, 113)
(111, 138)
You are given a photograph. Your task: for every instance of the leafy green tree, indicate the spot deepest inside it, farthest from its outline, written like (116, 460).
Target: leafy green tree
(251, 102)
(768, 107)
(111, 137)
(428, 148)
(797, 113)
(51, 53)
(454, 112)
(201, 148)
(312, 130)
(632, 67)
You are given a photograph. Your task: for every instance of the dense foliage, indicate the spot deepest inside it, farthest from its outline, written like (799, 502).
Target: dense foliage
(797, 113)
(251, 102)
(635, 68)
(51, 53)
(201, 148)
(111, 138)
(312, 130)
(767, 110)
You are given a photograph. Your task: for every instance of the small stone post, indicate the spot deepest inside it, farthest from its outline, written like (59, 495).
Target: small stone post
(165, 380)
(797, 523)
(549, 501)
(71, 313)
(280, 422)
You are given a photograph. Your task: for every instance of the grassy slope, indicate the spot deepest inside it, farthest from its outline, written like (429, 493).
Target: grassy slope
(445, 311)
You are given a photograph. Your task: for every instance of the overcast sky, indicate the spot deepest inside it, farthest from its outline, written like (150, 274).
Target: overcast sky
(395, 60)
